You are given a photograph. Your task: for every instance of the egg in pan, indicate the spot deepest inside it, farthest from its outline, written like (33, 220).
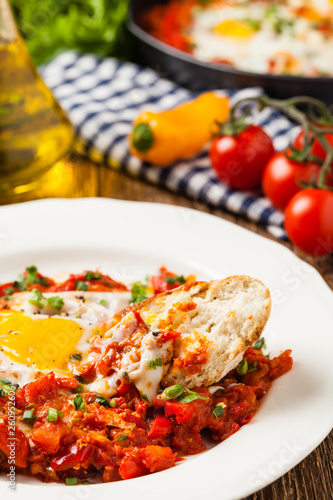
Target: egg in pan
(278, 37)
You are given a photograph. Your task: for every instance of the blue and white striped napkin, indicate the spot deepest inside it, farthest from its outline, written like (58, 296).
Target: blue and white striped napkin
(103, 96)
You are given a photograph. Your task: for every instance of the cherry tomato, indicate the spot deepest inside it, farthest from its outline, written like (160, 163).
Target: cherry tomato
(317, 148)
(309, 221)
(240, 161)
(283, 178)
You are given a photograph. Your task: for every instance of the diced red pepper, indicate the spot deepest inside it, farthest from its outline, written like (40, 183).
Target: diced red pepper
(160, 427)
(73, 455)
(132, 466)
(169, 335)
(182, 411)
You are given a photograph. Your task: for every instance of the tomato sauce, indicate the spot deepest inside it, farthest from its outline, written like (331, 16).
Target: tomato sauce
(125, 437)
(64, 434)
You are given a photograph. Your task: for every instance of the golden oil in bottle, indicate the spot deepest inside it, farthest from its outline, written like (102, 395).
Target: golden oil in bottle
(34, 131)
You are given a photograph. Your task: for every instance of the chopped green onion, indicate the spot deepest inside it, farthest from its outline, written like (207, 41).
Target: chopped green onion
(9, 290)
(103, 302)
(5, 386)
(103, 401)
(132, 427)
(37, 299)
(122, 437)
(56, 302)
(92, 276)
(79, 403)
(139, 292)
(81, 285)
(260, 344)
(172, 280)
(151, 364)
(53, 414)
(71, 481)
(76, 356)
(242, 367)
(31, 277)
(21, 287)
(144, 397)
(252, 367)
(29, 417)
(30, 405)
(172, 392)
(268, 355)
(219, 409)
(77, 419)
(5, 381)
(189, 396)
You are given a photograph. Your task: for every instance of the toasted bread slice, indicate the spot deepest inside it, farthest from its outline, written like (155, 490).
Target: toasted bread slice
(217, 321)
(193, 335)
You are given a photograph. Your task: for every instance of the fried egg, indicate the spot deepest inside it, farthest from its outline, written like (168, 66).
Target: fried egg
(41, 339)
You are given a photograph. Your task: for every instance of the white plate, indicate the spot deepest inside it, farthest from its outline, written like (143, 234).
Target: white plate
(129, 240)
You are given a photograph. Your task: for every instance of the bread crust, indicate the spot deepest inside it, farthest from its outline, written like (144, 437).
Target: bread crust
(217, 322)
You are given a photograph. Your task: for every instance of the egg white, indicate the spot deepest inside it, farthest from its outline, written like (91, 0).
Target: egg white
(83, 308)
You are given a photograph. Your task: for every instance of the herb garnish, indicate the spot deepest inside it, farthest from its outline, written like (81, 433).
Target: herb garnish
(81, 285)
(76, 356)
(90, 275)
(79, 403)
(37, 299)
(181, 393)
(122, 437)
(219, 409)
(71, 481)
(29, 417)
(151, 364)
(139, 292)
(53, 414)
(172, 280)
(260, 344)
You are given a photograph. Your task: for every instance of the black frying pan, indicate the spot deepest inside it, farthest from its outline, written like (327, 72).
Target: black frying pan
(197, 75)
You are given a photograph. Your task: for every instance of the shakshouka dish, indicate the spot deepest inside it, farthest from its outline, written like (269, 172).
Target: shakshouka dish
(281, 37)
(105, 381)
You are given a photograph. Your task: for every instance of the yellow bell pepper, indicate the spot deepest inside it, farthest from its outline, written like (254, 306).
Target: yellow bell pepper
(178, 133)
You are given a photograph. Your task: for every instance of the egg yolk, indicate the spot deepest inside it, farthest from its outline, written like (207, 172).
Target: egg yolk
(41, 343)
(234, 28)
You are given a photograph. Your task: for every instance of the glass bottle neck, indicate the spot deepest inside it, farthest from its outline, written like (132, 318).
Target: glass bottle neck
(8, 30)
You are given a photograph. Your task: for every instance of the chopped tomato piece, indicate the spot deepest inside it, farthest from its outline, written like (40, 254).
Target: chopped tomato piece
(160, 427)
(39, 391)
(182, 411)
(157, 458)
(50, 435)
(69, 457)
(67, 383)
(132, 466)
(14, 444)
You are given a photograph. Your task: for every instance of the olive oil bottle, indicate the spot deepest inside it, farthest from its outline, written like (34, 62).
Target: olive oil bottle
(34, 131)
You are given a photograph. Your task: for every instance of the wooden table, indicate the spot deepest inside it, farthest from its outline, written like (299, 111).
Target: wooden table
(312, 479)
